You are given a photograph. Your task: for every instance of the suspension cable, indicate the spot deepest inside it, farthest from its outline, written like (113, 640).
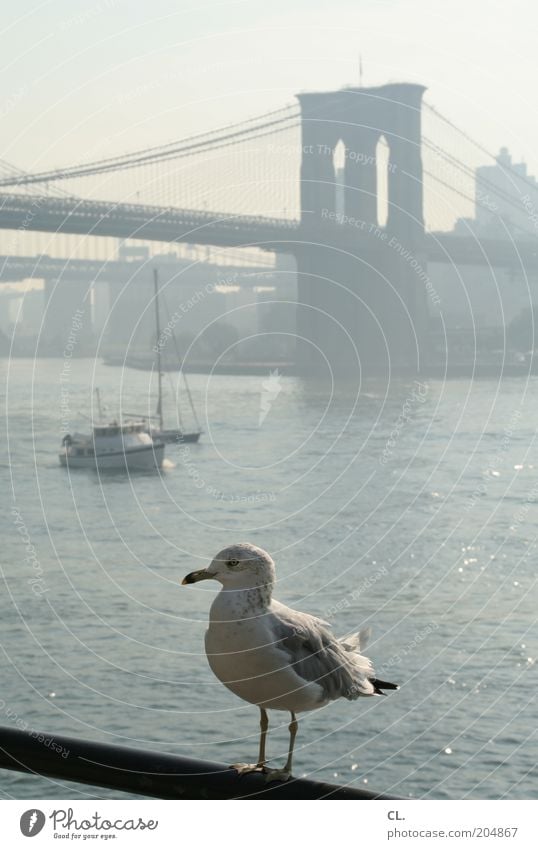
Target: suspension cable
(508, 168)
(186, 147)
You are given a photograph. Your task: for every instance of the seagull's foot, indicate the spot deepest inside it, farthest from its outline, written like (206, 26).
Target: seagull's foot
(245, 769)
(277, 775)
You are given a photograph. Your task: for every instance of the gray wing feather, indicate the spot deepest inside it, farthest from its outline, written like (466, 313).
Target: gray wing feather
(318, 656)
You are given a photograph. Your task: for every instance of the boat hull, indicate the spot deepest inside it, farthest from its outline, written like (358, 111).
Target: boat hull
(178, 437)
(145, 458)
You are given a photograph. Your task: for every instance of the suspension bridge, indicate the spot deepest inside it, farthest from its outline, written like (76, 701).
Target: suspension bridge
(363, 186)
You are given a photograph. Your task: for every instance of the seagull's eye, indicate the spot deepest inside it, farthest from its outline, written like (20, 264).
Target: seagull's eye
(233, 563)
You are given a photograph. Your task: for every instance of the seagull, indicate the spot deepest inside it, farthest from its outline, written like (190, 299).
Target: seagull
(273, 656)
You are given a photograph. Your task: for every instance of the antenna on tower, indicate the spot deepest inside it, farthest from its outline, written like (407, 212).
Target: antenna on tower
(360, 69)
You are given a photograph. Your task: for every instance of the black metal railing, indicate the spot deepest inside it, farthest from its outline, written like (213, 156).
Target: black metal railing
(149, 773)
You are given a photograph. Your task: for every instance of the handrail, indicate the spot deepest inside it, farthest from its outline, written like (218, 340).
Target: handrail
(150, 773)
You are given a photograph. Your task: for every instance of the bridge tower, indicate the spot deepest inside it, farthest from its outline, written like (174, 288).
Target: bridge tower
(362, 297)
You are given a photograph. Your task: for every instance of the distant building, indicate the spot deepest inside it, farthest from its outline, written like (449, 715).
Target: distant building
(481, 299)
(32, 312)
(506, 201)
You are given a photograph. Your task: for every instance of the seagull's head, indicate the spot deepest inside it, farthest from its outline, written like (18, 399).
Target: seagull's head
(240, 566)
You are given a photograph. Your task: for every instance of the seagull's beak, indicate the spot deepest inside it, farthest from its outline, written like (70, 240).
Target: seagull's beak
(200, 575)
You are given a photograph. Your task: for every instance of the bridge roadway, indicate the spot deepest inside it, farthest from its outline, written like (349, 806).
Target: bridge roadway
(16, 268)
(166, 224)
(136, 221)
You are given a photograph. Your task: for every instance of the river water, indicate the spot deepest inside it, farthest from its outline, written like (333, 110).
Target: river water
(411, 509)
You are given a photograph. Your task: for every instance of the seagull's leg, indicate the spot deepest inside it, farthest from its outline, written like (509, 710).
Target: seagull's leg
(293, 727)
(285, 774)
(264, 725)
(243, 769)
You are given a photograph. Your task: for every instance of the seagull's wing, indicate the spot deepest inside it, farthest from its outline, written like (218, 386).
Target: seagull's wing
(318, 657)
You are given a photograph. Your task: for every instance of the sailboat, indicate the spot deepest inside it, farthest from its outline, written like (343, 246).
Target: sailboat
(159, 433)
(113, 446)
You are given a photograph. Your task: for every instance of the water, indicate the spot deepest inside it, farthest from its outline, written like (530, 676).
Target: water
(412, 510)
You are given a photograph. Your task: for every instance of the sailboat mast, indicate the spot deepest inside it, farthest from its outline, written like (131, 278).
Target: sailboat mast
(99, 403)
(158, 346)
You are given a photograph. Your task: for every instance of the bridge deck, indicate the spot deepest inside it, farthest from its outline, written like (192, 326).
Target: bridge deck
(164, 224)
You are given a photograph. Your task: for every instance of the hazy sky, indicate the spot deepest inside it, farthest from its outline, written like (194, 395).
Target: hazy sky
(83, 79)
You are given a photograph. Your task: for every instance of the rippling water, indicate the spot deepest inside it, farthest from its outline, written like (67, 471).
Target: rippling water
(411, 509)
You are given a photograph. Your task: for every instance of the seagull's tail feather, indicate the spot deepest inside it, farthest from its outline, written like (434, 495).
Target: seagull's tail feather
(358, 641)
(379, 686)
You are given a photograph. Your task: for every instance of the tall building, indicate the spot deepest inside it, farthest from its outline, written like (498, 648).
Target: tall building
(506, 201)
(479, 297)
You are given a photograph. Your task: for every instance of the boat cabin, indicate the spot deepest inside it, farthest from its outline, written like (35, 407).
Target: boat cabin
(114, 429)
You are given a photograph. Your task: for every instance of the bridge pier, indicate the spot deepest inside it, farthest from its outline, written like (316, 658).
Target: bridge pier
(130, 324)
(361, 309)
(67, 317)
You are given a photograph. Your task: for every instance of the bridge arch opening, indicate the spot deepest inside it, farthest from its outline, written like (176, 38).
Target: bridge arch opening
(382, 157)
(339, 162)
